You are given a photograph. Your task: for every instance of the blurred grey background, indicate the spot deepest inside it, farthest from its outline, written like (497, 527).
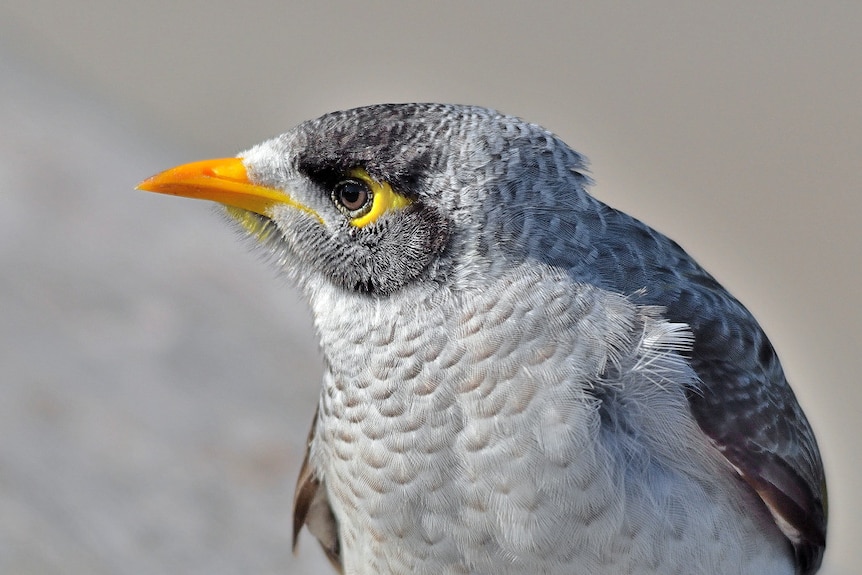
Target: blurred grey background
(158, 380)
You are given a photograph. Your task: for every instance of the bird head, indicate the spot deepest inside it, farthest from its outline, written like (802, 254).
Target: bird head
(375, 199)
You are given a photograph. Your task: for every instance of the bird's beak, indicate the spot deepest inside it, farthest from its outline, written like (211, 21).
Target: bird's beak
(224, 180)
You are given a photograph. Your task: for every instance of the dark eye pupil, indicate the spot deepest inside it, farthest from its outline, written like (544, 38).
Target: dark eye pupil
(352, 195)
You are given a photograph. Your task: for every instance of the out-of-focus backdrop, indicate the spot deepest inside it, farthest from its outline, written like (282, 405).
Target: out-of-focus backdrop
(157, 379)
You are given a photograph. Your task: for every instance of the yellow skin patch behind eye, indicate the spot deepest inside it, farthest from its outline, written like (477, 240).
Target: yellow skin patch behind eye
(383, 198)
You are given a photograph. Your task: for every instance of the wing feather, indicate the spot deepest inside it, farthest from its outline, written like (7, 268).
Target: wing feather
(311, 508)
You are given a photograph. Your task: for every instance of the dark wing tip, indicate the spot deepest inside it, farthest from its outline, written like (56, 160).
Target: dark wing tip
(798, 509)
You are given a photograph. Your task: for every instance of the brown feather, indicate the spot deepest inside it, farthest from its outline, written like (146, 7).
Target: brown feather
(311, 508)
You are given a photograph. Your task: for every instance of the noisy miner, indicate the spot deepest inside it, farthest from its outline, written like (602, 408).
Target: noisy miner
(518, 378)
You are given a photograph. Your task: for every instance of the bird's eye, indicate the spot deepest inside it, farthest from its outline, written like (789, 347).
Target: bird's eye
(353, 197)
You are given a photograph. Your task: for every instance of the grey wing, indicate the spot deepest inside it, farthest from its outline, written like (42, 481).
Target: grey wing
(311, 508)
(744, 404)
(749, 411)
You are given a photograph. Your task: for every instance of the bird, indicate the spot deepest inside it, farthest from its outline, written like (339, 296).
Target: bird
(518, 378)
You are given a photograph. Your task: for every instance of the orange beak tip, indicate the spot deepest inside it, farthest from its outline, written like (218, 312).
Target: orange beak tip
(223, 180)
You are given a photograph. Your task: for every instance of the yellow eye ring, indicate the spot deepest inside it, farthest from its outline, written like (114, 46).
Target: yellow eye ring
(353, 197)
(381, 199)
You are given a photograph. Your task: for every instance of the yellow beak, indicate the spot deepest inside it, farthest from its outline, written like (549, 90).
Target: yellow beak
(224, 180)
